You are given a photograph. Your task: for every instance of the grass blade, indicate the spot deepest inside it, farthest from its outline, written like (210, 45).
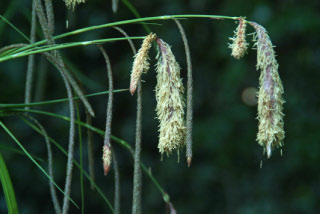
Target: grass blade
(74, 161)
(7, 188)
(20, 105)
(123, 143)
(33, 160)
(47, 48)
(14, 27)
(14, 150)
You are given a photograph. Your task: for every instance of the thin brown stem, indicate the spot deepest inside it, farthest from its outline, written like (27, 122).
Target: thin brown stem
(107, 146)
(133, 48)
(30, 67)
(41, 81)
(57, 61)
(49, 38)
(67, 188)
(137, 175)
(189, 115)
(110, 97)
(116, 205)
(50, 15)
(53, 192)
(90, 149)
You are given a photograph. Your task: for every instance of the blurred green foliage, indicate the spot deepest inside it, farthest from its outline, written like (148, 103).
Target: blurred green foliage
(225, 176)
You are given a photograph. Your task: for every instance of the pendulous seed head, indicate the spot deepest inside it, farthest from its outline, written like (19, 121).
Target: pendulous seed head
(239, 44)
(270, 101)
(141, 62)
(170, 104)
(106, 158)
(72, 3)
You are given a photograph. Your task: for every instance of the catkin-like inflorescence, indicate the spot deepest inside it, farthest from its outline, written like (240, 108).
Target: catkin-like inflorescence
(106, 158)
(72, 3)
(239, 44)
(141, 62)
(170, 104)
(270, 101)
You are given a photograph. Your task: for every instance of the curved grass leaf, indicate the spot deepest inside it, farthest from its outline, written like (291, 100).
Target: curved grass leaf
(17, 151)
(15, 28)
(20, 105)
(46, 48)
(100, 132)
(74, 161)
(7, 188)
(112, 24)
(33, 160)
(8, 14)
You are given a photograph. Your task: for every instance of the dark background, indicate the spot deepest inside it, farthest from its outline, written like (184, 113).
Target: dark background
(225, 176)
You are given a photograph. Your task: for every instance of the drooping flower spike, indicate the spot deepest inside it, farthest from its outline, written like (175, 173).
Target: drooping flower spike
(239, 44)
(170, 104)
(141, 62)
(270, 101)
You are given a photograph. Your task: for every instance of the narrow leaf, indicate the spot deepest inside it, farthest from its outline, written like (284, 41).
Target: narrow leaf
(7, 188)
(33, 160)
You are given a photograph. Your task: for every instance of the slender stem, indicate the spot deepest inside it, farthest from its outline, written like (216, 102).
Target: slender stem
(81, 158)
(137, 177)
(189, 94)
(30, 68)
(75, 86)
(67, 189)
(56, 58)
(43, 22)
(133, 48)
(116, 184)
(90, 149)
(50, 15)
(107, 146)
(57, 61)
(138, 131)
(53, 192)
(110, 97)
(41, 81)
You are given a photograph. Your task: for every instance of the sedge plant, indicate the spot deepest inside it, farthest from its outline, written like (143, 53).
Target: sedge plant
(174, 106)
